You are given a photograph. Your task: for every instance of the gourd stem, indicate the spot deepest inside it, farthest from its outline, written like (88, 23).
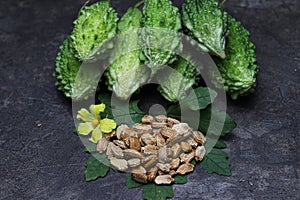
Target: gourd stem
(138, 4)
(222, 3)
(84, 5)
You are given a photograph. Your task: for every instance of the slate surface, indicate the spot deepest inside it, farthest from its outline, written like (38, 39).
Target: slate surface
(47, 162)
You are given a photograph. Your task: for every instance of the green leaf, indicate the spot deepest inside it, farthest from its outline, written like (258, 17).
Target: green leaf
(96, 166)
(186, 116)
(193, 162)
(174, 111)
(135, 112)
(91, 148)
(131, 183)
(152, 191)
(122, 112)
(216, 162)
(75, 132)
(205, 121)
(106, 99)
(221, 119)
(178, 179)
(200, 99)
(220, 145)
(127, 114)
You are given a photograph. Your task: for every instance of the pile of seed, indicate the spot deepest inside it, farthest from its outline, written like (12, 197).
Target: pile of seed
(154, 150)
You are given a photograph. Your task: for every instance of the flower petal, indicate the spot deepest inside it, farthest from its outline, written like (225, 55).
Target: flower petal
(85, 128)
(96, 109)
(96, 135)
(85, 115)
(107, 125)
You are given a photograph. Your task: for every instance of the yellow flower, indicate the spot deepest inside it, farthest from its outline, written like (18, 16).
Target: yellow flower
(92, 122)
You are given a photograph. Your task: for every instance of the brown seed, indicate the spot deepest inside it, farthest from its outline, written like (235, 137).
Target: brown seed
(161, 172)
(120, 129)
(200, 153)
(139, 174)
(164, 167)
(156, 131)
(142, 128)
(181, 128)
(168, 132)
(134, 143)
(148, 158)
(186, 158)
(120, 144)
(117, 151)
(114, 151)
(162, 154)
(150, 150)
(161, 145)
(128, 132)
(169, 155)
(185, 168)
(151, 162)
(141, 142)
(176, 150)
(147, 119)
(177, 139)
(186, 147)
(172, 172)
(102, 145)
(119, 164)
(132, 153)
(159, 124)
(151, 175)
(109, 152)
(161, 118)
(127, 141)
(171, 122)
(192, 142)
(148, 139)
(164, 179)
(134, 162)
(199, 137)
(175, 163)
(110, 135)
(160, 141)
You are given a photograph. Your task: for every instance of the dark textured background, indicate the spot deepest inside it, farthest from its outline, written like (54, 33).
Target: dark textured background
(47, 162)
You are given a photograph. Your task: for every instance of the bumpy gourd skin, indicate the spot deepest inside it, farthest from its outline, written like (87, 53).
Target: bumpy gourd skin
(126, 73)
(206, 21)
(95, 25)
(67, 67)
(238, 70)
(66, 74)
(161, 22)
(174, 86)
